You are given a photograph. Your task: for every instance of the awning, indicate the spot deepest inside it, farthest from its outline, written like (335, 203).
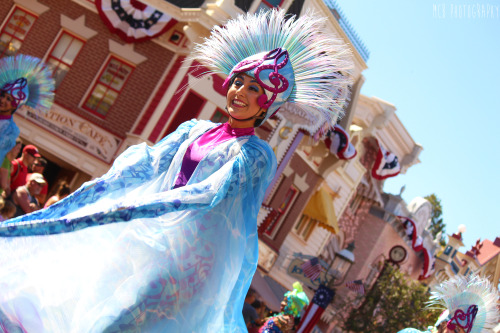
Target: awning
(270, 291)
(320, 208)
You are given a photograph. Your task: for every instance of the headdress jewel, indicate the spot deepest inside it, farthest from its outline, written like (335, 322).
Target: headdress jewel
(293, 60)
(28, 80)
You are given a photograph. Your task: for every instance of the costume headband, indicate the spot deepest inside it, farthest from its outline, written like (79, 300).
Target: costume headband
(293, 60)
(28, 81)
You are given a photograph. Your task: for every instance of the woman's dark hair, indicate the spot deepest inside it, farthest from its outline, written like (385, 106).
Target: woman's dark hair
(63, 189)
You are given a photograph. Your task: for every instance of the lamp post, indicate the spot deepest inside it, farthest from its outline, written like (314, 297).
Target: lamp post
(325, 293)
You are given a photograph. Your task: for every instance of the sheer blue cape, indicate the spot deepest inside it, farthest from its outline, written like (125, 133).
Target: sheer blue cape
(125, 252)
(8, 135)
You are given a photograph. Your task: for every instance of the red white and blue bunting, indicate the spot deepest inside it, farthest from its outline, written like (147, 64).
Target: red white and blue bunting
(386, 164)
(417, 245)
(132, 20)
(337, 141)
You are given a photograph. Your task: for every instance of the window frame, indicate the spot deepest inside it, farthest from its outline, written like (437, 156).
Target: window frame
(6, 22)
(283, 212)
(96, 81)
(304, 231)
(60, 61)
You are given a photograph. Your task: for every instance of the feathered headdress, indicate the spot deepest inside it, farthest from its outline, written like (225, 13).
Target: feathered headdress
(294, 60)
(296, 300)
(28, 80)
(471, 302)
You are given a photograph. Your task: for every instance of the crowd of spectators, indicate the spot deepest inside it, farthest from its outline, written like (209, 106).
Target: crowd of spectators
(23, 187)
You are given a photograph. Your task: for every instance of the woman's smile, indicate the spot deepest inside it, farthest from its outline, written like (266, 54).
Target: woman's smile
(242, 101)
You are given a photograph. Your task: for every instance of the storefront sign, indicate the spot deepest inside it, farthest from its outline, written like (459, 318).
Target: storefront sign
(295, 271)
(76, 130)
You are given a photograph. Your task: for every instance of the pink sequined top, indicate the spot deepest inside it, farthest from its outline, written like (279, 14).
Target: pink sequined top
(200, 147)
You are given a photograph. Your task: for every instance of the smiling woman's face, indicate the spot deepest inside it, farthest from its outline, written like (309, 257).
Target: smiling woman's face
(242, 99)
(6, 107)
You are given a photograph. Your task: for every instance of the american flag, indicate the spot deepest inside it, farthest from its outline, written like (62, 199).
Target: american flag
(312, 268)
(319, 303)
(356, 286)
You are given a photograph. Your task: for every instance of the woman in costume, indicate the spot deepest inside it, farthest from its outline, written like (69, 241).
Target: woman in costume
(166, 241)
(471, 305)
(24, 80)
(291, 307)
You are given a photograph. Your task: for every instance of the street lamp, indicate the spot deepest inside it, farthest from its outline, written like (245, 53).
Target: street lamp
(341, 264)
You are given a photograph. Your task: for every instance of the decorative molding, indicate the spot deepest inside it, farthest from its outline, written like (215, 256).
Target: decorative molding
(126, 52)
(301, 182)
(33, 5)
(77, 26)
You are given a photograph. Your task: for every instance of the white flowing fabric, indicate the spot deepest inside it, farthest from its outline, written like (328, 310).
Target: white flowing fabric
(126, 253)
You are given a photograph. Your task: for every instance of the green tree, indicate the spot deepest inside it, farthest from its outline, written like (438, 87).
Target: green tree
(393, 303)
(437, 224)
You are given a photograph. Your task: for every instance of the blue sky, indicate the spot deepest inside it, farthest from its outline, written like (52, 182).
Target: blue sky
(439, 64)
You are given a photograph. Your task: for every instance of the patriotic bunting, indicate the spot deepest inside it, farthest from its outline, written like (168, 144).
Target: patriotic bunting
(319, 303)
(132, 20)
(356, 286)
(338, 143)
(417, 245)
(386, 164)
(312, 268)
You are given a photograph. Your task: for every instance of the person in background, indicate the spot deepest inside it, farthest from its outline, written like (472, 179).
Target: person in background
(249, 313)
(39, 166)
(261, 308)
(7, 211)
(62, 192)
(24, 196)
(24, 81)
(5, 168)
(291, 307)
(19, 169)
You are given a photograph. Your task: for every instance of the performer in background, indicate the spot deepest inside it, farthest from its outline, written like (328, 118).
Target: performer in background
(291, 307)
(166, 241)
(24, 80)
(471, 306)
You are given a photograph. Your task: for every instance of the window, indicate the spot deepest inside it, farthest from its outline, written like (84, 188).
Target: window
(106, 89)
(14, 31)
(219, 116)
(283, 209)
(448, 249)
(268, 4)
(63, 54)
(305, 227)
(454, 267)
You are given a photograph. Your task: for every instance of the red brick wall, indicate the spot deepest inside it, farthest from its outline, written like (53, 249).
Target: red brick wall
(138, 88)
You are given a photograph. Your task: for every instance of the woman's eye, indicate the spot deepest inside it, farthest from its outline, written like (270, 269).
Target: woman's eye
(254, 88)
